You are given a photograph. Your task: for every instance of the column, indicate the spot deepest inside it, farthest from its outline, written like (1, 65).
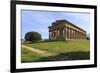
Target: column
(52, 35)
(49, 35)
(76, 35)
(73, 34)
(82, 36)
(67, 33)
(79, 34)
(58, 33)
(55, 34)
(63, 35)
(70, 33)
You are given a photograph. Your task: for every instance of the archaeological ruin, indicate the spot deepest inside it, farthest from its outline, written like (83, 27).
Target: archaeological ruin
(64, 30)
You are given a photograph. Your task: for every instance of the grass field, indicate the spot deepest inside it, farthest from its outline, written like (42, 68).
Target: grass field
(65, 50)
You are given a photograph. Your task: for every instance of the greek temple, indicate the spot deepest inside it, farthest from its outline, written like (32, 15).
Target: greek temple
(65, 30)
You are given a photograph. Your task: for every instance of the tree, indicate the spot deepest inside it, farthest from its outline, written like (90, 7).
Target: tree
(32, 36)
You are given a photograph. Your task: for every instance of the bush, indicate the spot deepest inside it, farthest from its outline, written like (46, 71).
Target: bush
(32, 36)
(88, 38)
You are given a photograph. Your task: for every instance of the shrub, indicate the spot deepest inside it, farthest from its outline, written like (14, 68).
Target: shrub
(32, 36)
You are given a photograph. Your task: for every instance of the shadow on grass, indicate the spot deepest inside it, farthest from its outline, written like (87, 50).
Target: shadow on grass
(66, 57)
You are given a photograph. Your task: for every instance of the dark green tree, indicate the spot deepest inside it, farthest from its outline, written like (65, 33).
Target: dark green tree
(32, 36)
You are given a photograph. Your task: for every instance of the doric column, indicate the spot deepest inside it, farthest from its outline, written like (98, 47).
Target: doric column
(52, 35)
(67, 33)
(73, 34)
(80, 35)
(49, 35)
(55, 34)
(58, 33)
(76, 35)
(70, 33)
(64, 33)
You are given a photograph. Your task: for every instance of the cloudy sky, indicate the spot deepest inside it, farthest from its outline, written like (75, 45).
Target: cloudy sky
(39, 21)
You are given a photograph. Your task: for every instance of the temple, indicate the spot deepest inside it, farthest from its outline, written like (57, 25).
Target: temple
(64, 30)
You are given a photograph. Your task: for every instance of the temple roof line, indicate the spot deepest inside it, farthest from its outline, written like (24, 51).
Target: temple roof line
(65, 21)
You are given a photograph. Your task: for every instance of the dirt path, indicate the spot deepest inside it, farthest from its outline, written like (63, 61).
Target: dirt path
(41, 52)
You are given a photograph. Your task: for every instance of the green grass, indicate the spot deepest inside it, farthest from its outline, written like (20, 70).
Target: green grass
(66, 50)
(29, 56)
(62, 46)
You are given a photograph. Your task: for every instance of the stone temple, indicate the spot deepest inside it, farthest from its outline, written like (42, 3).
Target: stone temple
(65, 30)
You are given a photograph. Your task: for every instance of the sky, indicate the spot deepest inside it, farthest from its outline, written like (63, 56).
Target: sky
(34, 20)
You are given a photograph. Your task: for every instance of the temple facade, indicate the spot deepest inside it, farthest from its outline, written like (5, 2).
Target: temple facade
(64, 30)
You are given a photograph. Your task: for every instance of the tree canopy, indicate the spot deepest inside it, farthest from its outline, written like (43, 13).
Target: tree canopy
(32, 36)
